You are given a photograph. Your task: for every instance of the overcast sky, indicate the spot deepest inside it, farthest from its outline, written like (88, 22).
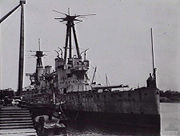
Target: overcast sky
(118, 38)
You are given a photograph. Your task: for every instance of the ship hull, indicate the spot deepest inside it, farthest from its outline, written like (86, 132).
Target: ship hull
(139, 107)
(135, 120)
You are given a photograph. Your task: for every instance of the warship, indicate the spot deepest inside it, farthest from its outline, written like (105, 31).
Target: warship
(85, 101)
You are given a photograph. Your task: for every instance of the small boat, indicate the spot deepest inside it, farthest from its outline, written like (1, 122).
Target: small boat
(46, 125)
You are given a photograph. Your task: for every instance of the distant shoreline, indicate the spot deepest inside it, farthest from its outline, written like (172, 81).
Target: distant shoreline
(169, 101)
(169, 96)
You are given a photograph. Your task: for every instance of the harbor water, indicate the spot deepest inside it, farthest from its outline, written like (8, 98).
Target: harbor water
(170, 126)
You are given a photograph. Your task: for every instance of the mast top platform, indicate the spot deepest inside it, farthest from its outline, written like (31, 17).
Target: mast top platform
(22, 1)
(71, 18)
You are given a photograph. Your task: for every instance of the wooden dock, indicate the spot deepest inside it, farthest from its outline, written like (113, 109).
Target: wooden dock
(16, 121)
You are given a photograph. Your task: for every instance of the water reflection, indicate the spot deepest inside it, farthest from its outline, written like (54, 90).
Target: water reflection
(82, 129)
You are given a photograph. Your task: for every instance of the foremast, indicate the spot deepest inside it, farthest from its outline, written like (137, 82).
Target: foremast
(71, 69)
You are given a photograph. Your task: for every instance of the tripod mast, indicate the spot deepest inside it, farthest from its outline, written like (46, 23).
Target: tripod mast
(68, 43)
(70, 30)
